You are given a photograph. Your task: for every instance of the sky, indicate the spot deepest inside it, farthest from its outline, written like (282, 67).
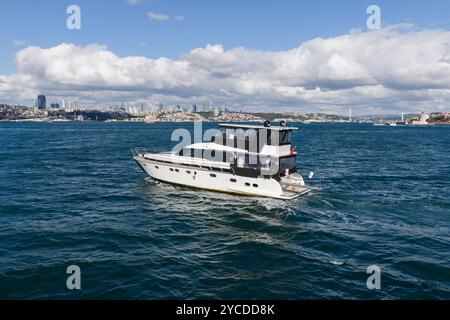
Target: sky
(305, 56)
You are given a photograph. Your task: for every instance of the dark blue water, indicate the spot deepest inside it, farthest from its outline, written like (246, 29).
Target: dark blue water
(71, 194)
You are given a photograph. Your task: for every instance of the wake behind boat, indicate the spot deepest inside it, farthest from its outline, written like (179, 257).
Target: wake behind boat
(241, 159)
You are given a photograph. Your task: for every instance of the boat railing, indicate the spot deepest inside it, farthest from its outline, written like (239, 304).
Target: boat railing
(204, 163)
(141, 152)
(267, 166)
(155, 154)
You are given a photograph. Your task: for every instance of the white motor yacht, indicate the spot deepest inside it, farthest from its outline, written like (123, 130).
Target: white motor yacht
(252, 160)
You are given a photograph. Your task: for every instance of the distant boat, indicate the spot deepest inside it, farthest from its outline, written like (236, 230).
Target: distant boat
(385, 124)
(402, 122)
(309, 121)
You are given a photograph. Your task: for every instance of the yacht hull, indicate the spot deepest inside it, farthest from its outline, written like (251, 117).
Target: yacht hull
(218, 181)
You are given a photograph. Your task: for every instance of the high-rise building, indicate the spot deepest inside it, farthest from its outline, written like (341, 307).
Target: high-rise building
(54, 105)
(41, 102)
(194, 108)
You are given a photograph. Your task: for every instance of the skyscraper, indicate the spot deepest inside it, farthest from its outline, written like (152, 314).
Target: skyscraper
(41, 102)
(54, 105)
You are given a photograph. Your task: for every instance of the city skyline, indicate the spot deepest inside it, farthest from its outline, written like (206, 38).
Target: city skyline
(139, 108)
(319, 58)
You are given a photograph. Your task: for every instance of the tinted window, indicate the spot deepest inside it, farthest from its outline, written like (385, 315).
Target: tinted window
(287, 163)
(285, 137)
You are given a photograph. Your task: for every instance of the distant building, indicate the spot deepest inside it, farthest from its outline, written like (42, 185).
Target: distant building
(437, 115)
(207, 107)
(424, 117)
(54, 105)
(41, 102)
(194, 108)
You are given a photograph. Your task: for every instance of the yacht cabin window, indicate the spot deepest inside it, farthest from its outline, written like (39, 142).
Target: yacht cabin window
(285, 137)
(287, 163)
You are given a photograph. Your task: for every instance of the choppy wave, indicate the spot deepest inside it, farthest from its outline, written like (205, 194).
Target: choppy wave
(70, 194)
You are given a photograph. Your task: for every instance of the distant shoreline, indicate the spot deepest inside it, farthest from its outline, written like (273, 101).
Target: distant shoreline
(207, 120)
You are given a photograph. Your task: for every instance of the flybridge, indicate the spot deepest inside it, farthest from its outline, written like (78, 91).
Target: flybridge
(255, 137)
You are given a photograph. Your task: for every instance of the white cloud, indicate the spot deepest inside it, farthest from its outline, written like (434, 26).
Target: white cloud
(133, 2)
(164, 17)
(18, 43)
(391, 70)
(158, 16)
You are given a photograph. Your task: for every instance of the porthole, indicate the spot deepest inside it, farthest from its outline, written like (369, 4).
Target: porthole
(233, 180)
(255, 185)
(176, 170)
(213, 175)
(171, 169)
(156, 167)
(188, 172)
(247, 184)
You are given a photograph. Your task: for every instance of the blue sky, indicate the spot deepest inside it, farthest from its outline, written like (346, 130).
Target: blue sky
(270, 31)
(254, 24)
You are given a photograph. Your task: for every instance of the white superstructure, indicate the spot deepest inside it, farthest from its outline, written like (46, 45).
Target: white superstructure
(241, 159)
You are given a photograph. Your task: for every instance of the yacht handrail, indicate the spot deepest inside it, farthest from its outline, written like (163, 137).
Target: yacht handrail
(140, 151)
(202, 162)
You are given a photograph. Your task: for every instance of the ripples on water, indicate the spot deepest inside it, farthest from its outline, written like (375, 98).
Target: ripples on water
(70, 194)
